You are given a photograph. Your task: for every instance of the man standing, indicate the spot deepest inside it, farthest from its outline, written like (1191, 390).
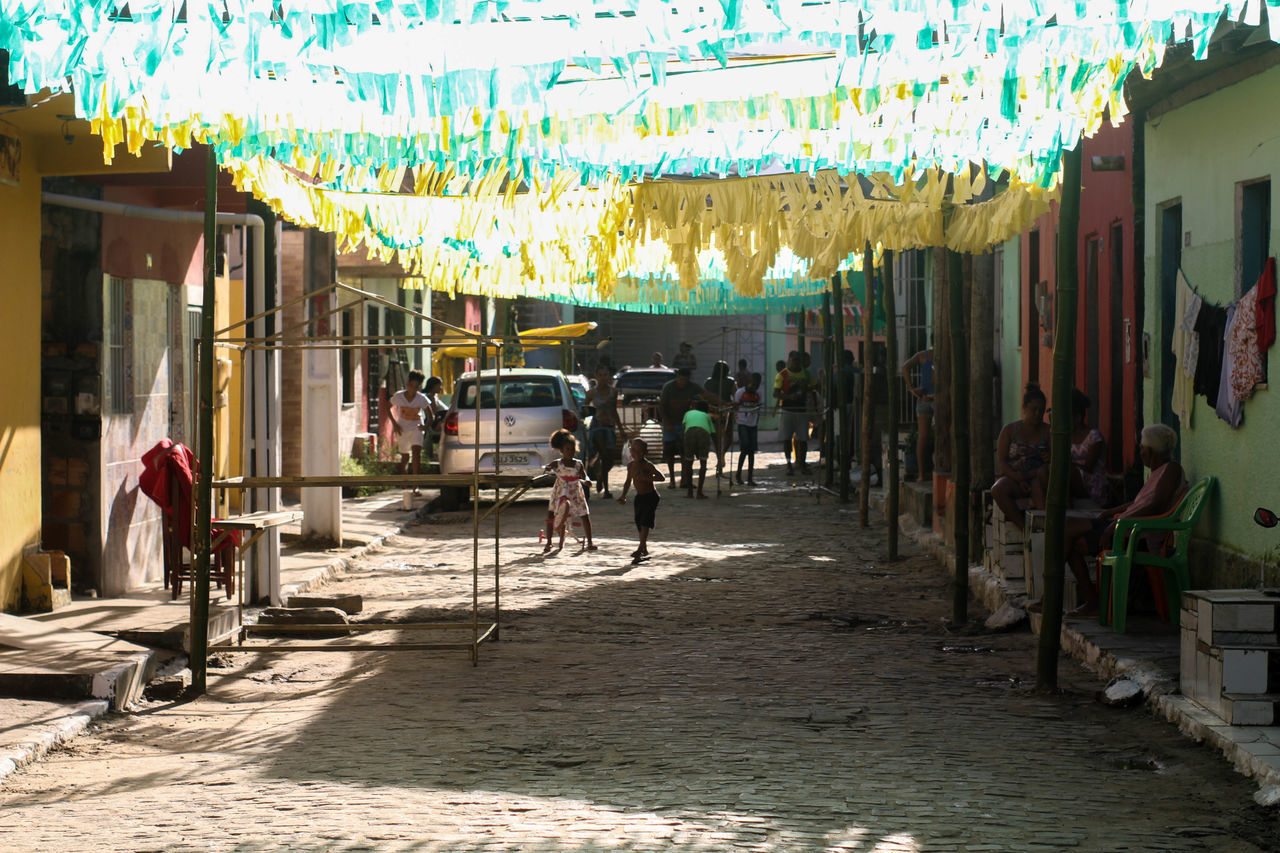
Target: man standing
(792, 389)
(657, 361)
(676, 398)
(685, 358)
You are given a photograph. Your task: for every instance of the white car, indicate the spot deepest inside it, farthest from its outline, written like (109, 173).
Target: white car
(534, 404)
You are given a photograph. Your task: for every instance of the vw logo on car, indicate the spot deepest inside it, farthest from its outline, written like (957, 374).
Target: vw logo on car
(509, 421)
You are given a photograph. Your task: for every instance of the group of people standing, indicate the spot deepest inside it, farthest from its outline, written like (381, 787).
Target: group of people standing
(695, 420)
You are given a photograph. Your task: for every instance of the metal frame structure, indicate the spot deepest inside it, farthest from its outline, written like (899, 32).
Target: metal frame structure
(300, 336)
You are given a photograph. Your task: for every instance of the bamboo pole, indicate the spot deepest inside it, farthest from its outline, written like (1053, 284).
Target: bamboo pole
(1064, 352)
(199, 651)
(842, 386)
(891, 357)
(868, 331)
(828, 398)
(982, 427)
(959, 436)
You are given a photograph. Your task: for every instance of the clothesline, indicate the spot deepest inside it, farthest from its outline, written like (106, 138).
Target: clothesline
(1220, 351)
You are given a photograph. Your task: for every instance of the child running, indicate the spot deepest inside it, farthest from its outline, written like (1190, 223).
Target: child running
(406, 410)
(642, 472)
(568, 495)
(748, 403)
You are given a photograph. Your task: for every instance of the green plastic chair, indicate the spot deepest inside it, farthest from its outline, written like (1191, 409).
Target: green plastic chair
(1115, 566)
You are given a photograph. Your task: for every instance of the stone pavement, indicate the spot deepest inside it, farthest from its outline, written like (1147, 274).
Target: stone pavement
(767, 682)
(32, 727)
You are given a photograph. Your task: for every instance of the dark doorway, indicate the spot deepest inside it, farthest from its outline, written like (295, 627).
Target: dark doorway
(1170, 263)
(1031, 337)
(1093, 352)
(1116, 361)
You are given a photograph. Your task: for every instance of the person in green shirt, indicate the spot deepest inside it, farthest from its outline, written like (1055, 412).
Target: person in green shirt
(697, 444)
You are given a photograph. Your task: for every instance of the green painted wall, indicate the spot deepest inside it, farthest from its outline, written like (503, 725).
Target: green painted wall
(1199, 153)
(1010, 353)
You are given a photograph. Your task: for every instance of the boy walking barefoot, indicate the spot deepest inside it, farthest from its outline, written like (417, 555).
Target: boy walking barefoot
(642, 472)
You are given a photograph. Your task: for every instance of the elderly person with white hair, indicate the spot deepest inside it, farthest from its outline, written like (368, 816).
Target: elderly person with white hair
(1158, 496)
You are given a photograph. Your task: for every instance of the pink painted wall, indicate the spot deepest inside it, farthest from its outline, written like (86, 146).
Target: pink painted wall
(1106, 201)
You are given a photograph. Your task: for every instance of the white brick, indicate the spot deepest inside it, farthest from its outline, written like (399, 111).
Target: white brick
(1204, 627)
(1190, 617)
(1244, 671)
(1249, 712)
(1213, 687)
(1187, 662)
(1244, 617)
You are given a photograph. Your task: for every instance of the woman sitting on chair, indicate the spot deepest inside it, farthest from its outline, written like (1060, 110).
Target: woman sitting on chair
(1022, 452)
(1158, 496)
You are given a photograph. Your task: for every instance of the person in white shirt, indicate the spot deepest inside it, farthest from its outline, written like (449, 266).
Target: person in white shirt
(406, 418)
(748, 402)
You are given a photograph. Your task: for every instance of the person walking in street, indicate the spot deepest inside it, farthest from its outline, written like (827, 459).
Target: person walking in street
(723, 388)
(603, 435)
(924, 404)
(747, 403)
(436, 413)
(685, 358)
(698, 429)
(407, 406)
(676, 398)
(568, 493)
(642, 472)
(792, 389)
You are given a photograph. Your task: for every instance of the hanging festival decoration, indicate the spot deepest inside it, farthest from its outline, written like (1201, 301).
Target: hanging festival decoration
(505, 147)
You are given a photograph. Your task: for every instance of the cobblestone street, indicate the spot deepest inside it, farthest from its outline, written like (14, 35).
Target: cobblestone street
(767, 682)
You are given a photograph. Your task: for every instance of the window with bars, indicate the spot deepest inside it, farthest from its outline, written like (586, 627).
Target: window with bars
(116, 394)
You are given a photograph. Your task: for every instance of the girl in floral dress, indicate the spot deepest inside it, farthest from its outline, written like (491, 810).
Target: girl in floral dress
(568, 495)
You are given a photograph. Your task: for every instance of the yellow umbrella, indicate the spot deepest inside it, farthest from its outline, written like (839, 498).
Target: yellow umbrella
(454, 346)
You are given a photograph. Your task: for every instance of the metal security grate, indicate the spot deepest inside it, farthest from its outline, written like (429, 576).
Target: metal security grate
(117, 395)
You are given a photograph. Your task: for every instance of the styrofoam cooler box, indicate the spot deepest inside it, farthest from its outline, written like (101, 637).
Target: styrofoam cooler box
(1230, 657)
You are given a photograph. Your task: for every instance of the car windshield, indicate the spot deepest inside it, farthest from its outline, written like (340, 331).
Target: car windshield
(644, 381)
(529, 392)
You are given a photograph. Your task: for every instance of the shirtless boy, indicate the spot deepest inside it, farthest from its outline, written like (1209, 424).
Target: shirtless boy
(642, 472)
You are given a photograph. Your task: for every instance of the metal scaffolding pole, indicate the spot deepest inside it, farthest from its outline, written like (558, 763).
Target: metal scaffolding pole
(199, 651)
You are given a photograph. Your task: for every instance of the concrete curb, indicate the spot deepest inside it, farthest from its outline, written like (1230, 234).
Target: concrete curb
(1162, 698)
(47, 736)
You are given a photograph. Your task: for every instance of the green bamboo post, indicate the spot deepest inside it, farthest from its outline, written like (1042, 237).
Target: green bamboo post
(891, 358)
(959, 519)
(1064, 352)
(199, 650)
(868, 332)
(842, 386)
(828, 398)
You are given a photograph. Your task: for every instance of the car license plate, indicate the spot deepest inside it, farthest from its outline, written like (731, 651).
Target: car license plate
(513, 459)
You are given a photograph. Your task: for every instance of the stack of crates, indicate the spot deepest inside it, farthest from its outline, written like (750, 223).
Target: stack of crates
(1035, 563)
(1230, 656)
(1005, 555)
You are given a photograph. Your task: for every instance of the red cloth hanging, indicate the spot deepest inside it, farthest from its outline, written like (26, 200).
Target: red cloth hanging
(1266, 311)
(164, 460)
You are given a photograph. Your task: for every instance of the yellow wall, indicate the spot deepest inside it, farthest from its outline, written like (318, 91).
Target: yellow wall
(20, 497)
